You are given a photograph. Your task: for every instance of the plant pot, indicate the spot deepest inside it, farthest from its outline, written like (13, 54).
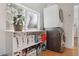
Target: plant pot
(18, 27)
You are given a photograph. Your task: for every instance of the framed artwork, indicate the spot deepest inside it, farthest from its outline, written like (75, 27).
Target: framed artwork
(31, 20)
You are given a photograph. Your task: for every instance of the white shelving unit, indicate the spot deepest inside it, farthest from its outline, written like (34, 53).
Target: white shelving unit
(25, 31)
(17, 40)
(11, 44)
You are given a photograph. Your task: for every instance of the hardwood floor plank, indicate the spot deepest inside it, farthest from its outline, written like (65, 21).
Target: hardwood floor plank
(67, 52)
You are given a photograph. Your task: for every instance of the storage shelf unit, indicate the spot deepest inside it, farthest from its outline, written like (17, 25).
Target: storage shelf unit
(10, 43)
(18, 40)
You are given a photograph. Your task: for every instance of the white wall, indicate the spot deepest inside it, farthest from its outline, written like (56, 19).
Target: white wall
(77, 19)
(2, 28)
(78, 29)
(75, 28)
(68, 24)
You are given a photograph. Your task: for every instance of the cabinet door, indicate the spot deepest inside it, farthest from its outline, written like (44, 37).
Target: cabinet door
(51, 17)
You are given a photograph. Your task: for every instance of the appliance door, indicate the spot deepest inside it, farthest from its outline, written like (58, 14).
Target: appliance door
(51, 17)
(62, 42)
(53, 40)
(62, 34)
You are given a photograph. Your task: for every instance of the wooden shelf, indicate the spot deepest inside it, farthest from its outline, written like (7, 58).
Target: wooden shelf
(26, 46)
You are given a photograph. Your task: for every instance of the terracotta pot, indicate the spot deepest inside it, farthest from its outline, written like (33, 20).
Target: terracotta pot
(18, 27)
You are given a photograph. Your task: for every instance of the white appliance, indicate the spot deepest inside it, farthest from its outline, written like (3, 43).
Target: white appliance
(53, 17)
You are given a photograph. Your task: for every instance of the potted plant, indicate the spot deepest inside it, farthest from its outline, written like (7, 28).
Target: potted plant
(18, 22)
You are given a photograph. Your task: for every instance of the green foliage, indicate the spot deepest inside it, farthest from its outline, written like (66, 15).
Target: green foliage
(43, 44)
(18, 20)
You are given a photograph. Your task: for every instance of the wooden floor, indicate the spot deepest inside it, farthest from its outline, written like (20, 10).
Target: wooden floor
(67, 52)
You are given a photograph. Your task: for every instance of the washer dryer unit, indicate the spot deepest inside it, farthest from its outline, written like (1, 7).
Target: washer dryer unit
(55, 39)
(53, 24)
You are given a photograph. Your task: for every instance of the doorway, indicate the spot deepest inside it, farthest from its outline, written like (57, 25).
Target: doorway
(75, 29)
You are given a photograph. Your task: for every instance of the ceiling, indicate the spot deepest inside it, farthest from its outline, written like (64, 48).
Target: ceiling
(37, 6)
